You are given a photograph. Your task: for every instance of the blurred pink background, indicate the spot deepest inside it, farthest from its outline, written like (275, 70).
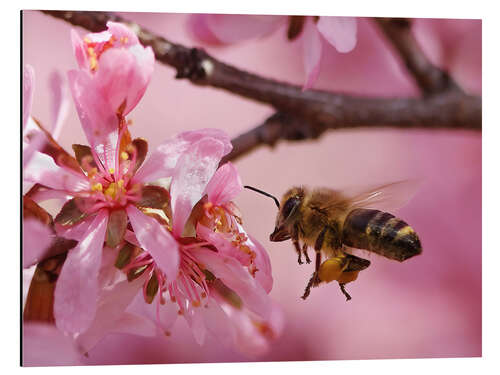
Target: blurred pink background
(429, 306)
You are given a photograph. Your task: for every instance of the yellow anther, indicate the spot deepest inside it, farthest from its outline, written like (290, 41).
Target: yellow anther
(87, 40)
(111, 170)
(92, 58)
(124, 39)
(124, 155)
(111, 190)
(120, 183)
(97, 187)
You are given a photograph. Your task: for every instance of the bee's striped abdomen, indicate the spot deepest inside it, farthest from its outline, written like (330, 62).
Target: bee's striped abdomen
(381, 233)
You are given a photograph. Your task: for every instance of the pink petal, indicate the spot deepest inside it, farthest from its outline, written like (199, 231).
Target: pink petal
(264, 273)
(163, 160)
(156, 240)
(340, 32)
(312, 50)
(135, 325)
(198, 27)
(123, 76)
(99, 38)
(131, 238)
(245, 336)
(75, 232)
(111, 306)
(252, 334)
(99, 120)
(195, 135)
(190, 177)
(36, 142)
(37, 237)
(44, 195)
(164, 316)
(194, 318)
(75, 299)
(79, 50)
(122, 33)
(60, 102)
(222, 244)
(216, 322)
(237, 278)
(45, 345)
(28, 88)
(225, 185)
(233, 28)
(42, 169)
(108, 273)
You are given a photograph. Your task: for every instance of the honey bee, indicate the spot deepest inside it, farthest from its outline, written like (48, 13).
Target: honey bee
(335, 222)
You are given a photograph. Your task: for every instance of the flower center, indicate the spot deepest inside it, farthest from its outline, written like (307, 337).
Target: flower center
(96, 49)
(190, 288)
(219, 219)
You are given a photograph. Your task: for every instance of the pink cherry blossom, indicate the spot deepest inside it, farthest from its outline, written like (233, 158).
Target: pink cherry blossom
(224, 276)
(104, 199)
(33, 138)
(314, 33)
(116, 67)
(101, 191)
(134, 232)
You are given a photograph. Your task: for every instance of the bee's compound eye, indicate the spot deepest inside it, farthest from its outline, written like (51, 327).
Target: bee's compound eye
(289, 206)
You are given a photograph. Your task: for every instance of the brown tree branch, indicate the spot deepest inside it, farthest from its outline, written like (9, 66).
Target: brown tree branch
(316, 109)
(429, 78)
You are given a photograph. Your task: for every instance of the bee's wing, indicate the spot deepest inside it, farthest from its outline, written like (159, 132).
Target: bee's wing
(387, 197)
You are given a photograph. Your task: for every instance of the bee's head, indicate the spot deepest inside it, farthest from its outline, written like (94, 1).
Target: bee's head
(288, 214)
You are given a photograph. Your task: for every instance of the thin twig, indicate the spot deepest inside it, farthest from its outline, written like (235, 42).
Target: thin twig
(327, 110)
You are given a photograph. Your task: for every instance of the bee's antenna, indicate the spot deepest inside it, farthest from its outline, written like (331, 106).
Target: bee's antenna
(264, 193)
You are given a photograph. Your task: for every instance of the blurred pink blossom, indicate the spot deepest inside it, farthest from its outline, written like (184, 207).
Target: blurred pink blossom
(37, 236)
(315, 33)
(29, 127)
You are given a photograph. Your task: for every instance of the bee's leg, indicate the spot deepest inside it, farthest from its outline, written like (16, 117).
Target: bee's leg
(304, 251)
(295, 240)
(342, 289)
(318, 245)
(309, 285)
(314, 281)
